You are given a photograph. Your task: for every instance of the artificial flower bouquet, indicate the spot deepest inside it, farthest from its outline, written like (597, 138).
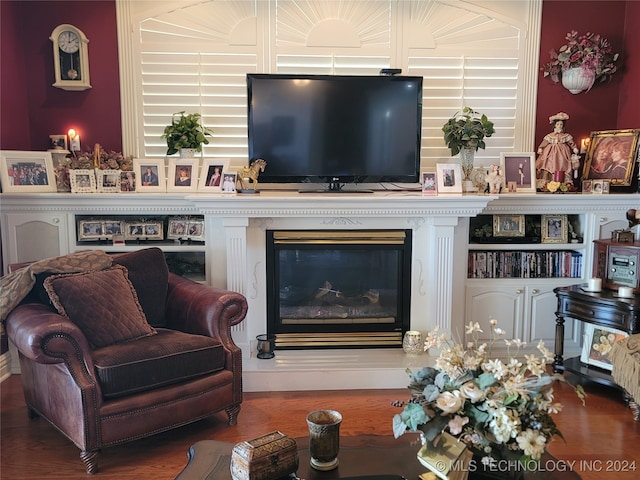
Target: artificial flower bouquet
(500, 410)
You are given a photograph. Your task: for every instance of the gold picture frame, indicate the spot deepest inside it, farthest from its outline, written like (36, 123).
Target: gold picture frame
(612, 156)
(555, 228)
(508, 225)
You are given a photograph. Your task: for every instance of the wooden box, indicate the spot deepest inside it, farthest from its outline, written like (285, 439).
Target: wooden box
(268, 457)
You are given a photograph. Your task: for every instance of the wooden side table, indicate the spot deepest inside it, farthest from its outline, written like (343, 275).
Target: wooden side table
(604, 309)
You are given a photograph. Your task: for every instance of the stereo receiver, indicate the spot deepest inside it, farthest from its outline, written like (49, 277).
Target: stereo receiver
(617, 264)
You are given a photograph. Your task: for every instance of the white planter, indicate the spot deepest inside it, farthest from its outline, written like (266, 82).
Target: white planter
(578, 79)
(188, 153)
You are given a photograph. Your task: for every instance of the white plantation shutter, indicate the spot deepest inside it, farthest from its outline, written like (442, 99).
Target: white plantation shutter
(194, 56)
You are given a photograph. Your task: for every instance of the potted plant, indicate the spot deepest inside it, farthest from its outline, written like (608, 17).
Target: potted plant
(185, 132)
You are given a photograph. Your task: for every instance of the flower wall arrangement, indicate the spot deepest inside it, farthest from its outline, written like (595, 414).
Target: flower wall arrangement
(500, 410)
(590, 52)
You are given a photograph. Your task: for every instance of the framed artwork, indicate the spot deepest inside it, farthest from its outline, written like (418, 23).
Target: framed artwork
(598, 342)
(183, 175)
(599, 187)
(519, 169)
(113, 228)
(586, 186)
(107, 181)
(612, 156)
(195, 230)
(127, 181)
(508, 225)
(429, 183)
(229, 182)
(211, 175)
(134, 230)
(83, 180)
(449, 176)
(150, 175)
(555, 228)
(58, 142)
(22, 171)
(90, 230)
(185, 228)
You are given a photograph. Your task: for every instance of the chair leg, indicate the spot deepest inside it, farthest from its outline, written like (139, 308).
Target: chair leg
(633, 405)
(232, 413)
(90, 460)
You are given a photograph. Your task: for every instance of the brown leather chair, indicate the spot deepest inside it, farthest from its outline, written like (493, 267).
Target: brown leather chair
(184, 368)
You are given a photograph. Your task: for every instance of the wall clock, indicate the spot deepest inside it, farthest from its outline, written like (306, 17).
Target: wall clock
(70, 58)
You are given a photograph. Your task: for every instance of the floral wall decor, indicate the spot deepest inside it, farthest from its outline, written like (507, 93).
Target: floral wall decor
(581, 61)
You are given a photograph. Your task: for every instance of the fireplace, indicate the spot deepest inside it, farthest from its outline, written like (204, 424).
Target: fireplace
(338, 289)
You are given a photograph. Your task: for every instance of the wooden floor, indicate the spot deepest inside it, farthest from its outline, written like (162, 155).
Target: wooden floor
(601, 438)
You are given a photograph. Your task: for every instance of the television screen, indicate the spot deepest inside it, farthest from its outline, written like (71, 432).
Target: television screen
(334, 129)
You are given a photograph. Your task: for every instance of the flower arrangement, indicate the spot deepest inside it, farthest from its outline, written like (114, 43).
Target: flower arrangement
(500, 410)
(589, 51)
(558, 187)
(467, 129)
(100, 158)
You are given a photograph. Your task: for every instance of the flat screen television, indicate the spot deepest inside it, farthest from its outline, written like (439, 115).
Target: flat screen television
(335, 129)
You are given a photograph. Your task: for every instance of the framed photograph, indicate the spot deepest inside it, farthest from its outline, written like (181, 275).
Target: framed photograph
(195, 230)
(183, 175)
(612, 156)
(587, 186)
(26, 171)
(82, 180)
(429, 183)
(127, 181)
(153, 230)
(508, 225)
(185, 228)
(58, 142)
(229, 182)
(597, 187)
(555, 228)
(113, 228)
(134, 230)
(598, 342)
(449, 177)
(90, 230)
(150, 175)
(107, 181)
(519, 168)
(211, 174)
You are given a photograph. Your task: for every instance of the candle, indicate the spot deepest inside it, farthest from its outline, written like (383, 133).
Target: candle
(595, 284)
(558, 176)
(626, 292)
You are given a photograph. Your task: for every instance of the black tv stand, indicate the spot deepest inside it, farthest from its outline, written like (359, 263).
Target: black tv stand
(335, 187)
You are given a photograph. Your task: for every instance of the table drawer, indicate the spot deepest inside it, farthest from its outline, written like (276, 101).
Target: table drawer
(602, 315)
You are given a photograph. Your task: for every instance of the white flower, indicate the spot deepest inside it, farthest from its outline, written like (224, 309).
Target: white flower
(473, 328)
(450, 402)
(493, 322)
(505, 424)
(456, 424)
(534, 365)
(546, 353)
(532, 443)
(471, 391)
(499, 331)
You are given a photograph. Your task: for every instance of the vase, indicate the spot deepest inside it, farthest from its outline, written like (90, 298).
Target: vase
(578, 79)
(187, 152)
(467, 156)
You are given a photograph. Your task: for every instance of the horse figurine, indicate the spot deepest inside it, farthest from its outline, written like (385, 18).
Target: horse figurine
(251, 172)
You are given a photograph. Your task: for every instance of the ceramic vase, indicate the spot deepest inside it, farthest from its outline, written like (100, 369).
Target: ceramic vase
(578, 79)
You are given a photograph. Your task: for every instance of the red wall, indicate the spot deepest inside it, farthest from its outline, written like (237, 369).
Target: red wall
(31, 109)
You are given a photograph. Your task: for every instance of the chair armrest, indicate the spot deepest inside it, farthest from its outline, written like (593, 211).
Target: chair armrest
(195, 308)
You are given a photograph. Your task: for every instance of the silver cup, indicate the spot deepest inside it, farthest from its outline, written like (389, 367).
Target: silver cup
(324, 438)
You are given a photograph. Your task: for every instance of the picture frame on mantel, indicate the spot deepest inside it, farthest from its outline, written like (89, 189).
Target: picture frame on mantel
(449, 176)
(519, 171)
(612, 155)
(150, 175)
(27, 172)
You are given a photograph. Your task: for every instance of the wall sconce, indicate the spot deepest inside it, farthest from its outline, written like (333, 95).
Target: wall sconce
(584, 145)
(74, 140)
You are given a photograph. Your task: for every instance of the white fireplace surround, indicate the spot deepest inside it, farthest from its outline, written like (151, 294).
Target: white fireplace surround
(434, 280)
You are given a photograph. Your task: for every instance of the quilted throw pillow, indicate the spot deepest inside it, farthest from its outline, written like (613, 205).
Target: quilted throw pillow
(103, 304)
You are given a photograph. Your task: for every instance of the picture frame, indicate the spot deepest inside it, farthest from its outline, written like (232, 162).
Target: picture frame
(127, 181)
(554, 228)
(599, 187)
(107, 181)
(182, 175)
(508, 225)
(58, 142)
(134, 230)
(586, 186)
(152, 230)
(195, 230)
(27, 172)
(89, 230)
(429, 182)
(612, 156)
(83, 180)
(519, 168)
(597, 344)
(112, 228)
(150, 175)
(185, 228)
(449, 176)
(229, 182)
(211, 174)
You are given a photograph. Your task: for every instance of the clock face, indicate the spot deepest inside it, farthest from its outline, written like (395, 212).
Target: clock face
(69, 42)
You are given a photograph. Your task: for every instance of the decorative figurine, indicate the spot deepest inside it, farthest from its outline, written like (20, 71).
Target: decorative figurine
(494, 179)
(251, 172)
(557, 152)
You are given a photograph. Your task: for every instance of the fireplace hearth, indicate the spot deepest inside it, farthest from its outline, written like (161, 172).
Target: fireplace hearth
(338, 289)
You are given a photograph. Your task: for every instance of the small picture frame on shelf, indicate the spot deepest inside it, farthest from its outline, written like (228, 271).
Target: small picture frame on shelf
(554, 228)
(508, 225)
(185, 228)
(183, 175)
(612, 155)
(211, 174)
(58, 142)
(134, 231)
(127, 181)
(599, 187)
(449, 177)
(90, 230)
(107, 181)
(83, 180)
(229, 182)
(112, 228)
(150, 175)
(195, 230)
(429, 183)
(519, 168)
(153, 230)
(587, 185)
(27, 172)
(597, 344)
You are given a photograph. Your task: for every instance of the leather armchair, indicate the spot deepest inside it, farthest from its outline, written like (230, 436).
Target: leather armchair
(64, 377)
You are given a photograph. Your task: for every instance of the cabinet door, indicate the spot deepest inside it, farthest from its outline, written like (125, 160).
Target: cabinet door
(541, 309)
(500, 301)
(35, 236)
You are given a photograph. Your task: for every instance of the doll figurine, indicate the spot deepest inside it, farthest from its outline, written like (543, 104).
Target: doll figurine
(557, 152)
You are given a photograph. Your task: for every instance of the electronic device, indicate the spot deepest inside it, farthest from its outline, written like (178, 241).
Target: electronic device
(617, 264)
(335, 129)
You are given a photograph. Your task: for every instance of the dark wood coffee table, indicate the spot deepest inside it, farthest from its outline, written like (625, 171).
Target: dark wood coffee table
(362, 455)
